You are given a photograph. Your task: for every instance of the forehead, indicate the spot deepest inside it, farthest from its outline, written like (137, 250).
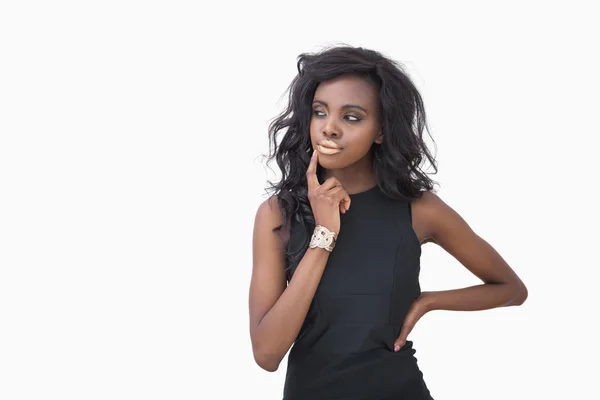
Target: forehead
(347, 89)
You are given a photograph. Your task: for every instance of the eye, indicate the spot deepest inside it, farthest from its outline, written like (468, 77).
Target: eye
(350, 118)
(356, 119)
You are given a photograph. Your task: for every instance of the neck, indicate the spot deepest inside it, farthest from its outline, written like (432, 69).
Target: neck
(355, 178)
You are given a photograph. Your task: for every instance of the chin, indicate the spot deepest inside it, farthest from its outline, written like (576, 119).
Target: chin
(332, 162)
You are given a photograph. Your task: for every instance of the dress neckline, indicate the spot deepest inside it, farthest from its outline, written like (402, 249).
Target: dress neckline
(364, 192)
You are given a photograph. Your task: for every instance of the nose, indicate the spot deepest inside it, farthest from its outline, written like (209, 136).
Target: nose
(330, 129)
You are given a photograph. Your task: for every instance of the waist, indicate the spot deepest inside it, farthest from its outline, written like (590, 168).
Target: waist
(375, 373)
(344, 339)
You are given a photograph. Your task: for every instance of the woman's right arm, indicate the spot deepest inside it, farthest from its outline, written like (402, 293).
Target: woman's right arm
(277, 312)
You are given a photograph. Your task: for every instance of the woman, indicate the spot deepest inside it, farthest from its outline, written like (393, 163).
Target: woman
(336, 249)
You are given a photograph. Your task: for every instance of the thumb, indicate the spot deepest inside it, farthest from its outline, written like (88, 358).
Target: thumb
(401, 340)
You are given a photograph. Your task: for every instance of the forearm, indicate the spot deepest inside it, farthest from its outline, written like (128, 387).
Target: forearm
(278, 329)
(474, 298)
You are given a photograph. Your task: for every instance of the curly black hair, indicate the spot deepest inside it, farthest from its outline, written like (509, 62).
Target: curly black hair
(396, 162)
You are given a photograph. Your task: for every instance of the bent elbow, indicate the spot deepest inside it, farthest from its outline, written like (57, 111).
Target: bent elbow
(265, 358)
(524, 294)
(521, 296)
(266, 362)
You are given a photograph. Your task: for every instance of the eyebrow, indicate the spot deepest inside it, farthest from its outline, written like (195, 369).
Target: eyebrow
(344, 106)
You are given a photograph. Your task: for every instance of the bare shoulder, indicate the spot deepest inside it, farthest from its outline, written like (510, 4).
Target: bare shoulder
(438, 222)
(429, 202)
(268, 216)
(269, 209)
(425, 210)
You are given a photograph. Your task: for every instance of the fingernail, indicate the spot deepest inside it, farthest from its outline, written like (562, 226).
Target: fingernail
(396, 348)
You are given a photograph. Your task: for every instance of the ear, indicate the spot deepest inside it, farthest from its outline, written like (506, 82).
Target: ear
(379, 138)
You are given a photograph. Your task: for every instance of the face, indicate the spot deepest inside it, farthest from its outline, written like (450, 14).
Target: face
(345, 122)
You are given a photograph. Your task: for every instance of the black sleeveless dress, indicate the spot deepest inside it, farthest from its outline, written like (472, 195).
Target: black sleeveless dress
(344, 350)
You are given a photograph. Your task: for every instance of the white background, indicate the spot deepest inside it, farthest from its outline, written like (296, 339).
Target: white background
(130, 174)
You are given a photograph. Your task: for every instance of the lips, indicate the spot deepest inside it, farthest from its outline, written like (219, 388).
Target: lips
(329, 144)
(327, 150)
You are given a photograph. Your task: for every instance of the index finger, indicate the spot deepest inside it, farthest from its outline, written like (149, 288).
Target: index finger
(311, 172)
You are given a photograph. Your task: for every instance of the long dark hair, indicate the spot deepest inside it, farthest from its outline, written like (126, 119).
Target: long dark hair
(396, 162)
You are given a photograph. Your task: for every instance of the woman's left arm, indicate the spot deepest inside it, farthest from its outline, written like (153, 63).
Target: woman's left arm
(501, 286)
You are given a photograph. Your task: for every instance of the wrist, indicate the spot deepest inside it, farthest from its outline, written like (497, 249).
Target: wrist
(328, 227)
(427, 300)
(323, 238)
